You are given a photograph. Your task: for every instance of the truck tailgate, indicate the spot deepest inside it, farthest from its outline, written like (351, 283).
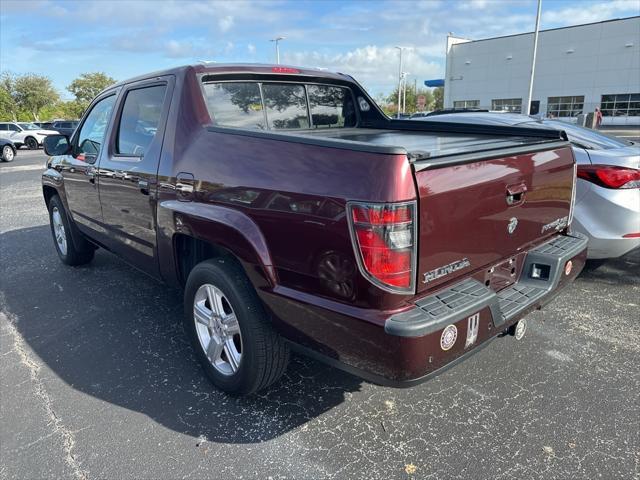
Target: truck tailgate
(476, 215)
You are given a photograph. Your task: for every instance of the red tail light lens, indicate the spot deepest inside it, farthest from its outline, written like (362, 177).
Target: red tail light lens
(384, 239)
(609, 176)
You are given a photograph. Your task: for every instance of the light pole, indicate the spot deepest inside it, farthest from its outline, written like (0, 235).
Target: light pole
(533, 59)
(276, 40)
(404, 91)
(399, 80)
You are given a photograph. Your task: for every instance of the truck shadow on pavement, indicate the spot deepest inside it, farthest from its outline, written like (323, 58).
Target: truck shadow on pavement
(113, 333)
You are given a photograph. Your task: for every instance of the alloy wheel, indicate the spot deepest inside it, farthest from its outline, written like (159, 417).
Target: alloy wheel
(218, 329)
(7, 153)
(58, 230)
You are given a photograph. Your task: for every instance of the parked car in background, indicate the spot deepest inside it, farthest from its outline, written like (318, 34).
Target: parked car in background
(66, 127)
(296, 214)
(45, 125)
(23, 133)
(608, 187)
(8, 150)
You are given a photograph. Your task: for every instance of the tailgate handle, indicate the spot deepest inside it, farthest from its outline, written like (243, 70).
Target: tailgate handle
(515, 194)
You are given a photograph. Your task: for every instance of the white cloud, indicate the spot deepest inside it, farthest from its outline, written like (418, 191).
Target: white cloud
(590, 12)
(251, 48)
(225, 23)
(374, 66)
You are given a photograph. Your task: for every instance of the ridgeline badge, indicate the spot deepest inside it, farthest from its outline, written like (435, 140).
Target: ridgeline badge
(436, 273)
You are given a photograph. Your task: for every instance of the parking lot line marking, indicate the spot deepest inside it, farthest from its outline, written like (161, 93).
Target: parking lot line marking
(21, 168)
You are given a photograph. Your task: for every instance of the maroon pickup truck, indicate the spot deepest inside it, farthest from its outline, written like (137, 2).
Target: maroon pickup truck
(296, 215)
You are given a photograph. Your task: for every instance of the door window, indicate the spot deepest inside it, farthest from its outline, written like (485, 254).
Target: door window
(139, 120)
(4, 126)
(14, 127)
(94, 129)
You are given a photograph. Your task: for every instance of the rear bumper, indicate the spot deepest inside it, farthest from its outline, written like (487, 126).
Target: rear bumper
(435, 312)
(404, 349)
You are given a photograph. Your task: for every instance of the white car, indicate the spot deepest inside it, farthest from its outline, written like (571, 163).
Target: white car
(23, 133)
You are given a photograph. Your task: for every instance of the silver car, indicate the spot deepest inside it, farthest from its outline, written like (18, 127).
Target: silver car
(607, 207)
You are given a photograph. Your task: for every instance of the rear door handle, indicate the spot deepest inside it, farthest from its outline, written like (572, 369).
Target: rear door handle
(515, 194)
(184, 188)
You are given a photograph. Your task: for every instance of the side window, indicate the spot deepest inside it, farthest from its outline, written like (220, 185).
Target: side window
(139, 120)
(94, 129)
(331, 106)
(3, 127)
(13, 127)
(235, 104)
(286, 106)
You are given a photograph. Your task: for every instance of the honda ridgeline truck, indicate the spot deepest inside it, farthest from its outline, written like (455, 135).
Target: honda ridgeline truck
(296, 215)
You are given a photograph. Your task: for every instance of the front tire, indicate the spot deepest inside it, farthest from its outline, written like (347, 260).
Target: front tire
(229, 329)
(8, 154)
(31, 143)
(69, 253)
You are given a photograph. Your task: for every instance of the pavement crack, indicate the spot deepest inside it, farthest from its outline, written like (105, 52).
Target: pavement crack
(68, 437)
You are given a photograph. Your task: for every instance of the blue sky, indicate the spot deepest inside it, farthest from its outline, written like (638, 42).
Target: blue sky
(62, 39)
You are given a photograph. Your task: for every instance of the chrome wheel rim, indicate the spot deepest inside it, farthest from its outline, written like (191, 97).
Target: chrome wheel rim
(7, 154)
(521, 328)
(218, 329)
(58, 230)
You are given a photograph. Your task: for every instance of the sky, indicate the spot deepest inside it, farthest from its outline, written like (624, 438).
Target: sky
(62, 39)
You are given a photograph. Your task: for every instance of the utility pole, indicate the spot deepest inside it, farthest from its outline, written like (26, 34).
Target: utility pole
(399, 81)
(276, 40)
(533, 60)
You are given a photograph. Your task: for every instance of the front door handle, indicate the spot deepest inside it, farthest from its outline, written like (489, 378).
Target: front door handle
(143, 185)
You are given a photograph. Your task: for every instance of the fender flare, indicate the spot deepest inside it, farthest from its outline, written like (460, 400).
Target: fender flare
(222, 226)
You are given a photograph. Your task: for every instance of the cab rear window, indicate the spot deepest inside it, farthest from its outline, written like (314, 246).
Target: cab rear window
(279, 106)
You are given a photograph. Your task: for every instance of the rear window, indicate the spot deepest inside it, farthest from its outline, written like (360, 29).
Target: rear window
(331, 106)
(235, 104)
(286, 106)
(279, 106)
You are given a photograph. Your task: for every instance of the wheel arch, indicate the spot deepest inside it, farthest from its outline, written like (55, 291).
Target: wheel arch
(201, 231)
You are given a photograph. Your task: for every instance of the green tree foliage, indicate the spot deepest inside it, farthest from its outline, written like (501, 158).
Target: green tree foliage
(411, 103)
(87, 86)
(438, 98)
(34, 92)
(8, 106)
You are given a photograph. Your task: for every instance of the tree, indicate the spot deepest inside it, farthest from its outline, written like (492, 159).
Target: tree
(34, 92)
(411, 99)
(87, 86)
(8, 105)
(438, 98)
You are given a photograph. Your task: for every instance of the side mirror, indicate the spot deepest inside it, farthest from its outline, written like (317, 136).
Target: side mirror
(56, 145)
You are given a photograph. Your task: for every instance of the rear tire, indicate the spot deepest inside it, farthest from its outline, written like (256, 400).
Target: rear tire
(31, 143)
(69, 253)
(8, 154)
(263, 354)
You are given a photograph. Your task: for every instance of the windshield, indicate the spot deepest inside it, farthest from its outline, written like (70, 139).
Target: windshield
(29, 126)
(588, 138)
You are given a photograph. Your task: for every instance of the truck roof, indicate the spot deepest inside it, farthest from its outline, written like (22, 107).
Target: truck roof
(242, 68)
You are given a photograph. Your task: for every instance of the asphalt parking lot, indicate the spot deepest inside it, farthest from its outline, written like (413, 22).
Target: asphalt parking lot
(97, 381)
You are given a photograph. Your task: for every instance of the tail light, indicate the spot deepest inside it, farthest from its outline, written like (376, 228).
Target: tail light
(384, 239)
(609, 176)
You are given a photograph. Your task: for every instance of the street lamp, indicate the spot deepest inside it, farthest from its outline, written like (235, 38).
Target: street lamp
(276, 40)
(400, 79)
(404, 91)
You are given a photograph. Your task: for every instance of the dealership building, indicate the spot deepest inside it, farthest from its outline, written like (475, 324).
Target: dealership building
(577, 69)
